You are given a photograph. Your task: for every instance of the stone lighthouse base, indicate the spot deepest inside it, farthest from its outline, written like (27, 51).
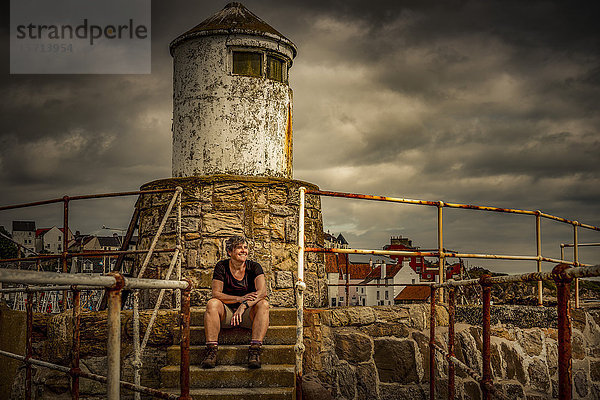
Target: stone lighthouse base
(265, 210)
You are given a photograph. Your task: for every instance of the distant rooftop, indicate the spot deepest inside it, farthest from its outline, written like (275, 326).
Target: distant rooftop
(26, 226)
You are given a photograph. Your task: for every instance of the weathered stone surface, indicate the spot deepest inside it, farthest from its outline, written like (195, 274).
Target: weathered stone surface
(495, 359)
(467, 346)
(366, 381)
(514, 363)
(418, 316)
(578, 319)
(578, 346)
(282, 298)
(395, 314)
(353, 346)
(284, 279)
(512, 390)
(395, 391)
(379, 329)
(531, 341)
(538, 376)
(314, 389)
(472, 390)
(345, 316)
(422, 356)
(581, 383)
(396, 360)
(503, 333)
(552, 356)
(346, 379)
(595, 370)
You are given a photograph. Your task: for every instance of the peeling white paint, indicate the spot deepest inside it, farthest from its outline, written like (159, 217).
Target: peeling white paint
(224, 123)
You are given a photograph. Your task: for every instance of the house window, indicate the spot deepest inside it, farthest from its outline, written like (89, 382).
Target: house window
(378, 295)
(363, 301)
(386, 295)
(87, 266)
(275, 68)
(247, 63)
(413, 280)
(333, 300)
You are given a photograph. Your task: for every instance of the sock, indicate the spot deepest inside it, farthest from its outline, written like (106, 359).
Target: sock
(212, 343)
(256, 342)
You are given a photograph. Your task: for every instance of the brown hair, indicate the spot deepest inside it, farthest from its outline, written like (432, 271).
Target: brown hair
(233, 242)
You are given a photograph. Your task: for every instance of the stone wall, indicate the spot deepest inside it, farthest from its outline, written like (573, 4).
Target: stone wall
(265, 210)
(52, 341)
(382, 352)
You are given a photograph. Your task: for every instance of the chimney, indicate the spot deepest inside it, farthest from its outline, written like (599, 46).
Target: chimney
(383, 270)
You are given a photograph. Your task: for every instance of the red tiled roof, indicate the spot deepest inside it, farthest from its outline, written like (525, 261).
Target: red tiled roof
(414, 293)
(331, 264)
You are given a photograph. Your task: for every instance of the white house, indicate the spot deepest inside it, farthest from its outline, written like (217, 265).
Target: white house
(385, 282)
(51, 239)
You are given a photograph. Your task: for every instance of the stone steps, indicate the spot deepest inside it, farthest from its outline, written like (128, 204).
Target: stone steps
(241, 394)
(236, 354)
(275, 335)
(231, 378)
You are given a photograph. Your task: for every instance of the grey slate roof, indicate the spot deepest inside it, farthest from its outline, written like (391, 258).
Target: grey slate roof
(27, 226)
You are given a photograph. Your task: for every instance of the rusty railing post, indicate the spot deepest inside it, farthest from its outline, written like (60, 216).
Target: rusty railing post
(432, 344)
(486, 380)
(113, 345)
(538, 241)
(441, 257)
(563, 285)
(65, 244)
(29, 344)
(76, 344)
(576, 261)
(451, 316)
(184, 377)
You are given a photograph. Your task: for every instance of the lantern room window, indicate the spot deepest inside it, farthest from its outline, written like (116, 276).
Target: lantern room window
(275, 68)
(247, 63)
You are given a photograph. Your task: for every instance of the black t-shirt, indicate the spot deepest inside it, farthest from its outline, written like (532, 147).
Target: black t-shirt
(234, 287)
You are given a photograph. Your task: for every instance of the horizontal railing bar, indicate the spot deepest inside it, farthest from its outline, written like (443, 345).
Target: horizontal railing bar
(579, 244)
(107, 281)
(375, 252)
(436, 254)
(573, 272)
(90, 254)
(82, 197)
(383, 284)
(89, 375)
(449, 205)
(47, 288)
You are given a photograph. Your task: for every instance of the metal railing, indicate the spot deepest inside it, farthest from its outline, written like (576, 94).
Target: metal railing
(176, 262)
(113, 285)
(441, 254)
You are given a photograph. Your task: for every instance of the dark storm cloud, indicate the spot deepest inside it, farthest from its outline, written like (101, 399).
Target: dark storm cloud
(481, 102)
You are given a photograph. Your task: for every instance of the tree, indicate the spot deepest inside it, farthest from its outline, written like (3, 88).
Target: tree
(7, 248)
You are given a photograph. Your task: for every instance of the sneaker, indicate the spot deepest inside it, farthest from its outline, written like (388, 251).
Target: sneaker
(254, 356)
(210, 360)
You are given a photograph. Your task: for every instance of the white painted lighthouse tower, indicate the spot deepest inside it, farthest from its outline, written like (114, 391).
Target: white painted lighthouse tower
(232, 105)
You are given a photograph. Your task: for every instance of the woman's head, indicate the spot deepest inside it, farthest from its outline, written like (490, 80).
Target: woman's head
(234, 242)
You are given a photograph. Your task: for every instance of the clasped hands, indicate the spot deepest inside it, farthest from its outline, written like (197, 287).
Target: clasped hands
(251, 299)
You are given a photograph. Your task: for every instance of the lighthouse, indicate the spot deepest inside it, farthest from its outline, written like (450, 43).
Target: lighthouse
(232, 156)
(232, 103)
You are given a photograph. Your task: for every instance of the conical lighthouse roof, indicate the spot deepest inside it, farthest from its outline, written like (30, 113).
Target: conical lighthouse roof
(234, 18)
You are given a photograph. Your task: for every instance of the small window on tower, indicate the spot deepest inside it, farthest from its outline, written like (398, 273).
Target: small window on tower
(247, 63)
(275, 68)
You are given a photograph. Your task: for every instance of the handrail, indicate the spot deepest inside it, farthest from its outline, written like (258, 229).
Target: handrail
(562, 275)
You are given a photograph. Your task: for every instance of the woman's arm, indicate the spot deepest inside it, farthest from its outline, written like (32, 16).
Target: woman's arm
(217, 293)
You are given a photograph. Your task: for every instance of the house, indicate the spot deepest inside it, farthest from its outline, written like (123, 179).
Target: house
(452, 270)
(385, 282)
(332, 242)
(413, 294)
(50, 240)
(23, 232)
(340, 267)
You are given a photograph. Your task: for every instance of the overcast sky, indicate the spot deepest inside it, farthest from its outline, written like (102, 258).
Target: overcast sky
(480, 102)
